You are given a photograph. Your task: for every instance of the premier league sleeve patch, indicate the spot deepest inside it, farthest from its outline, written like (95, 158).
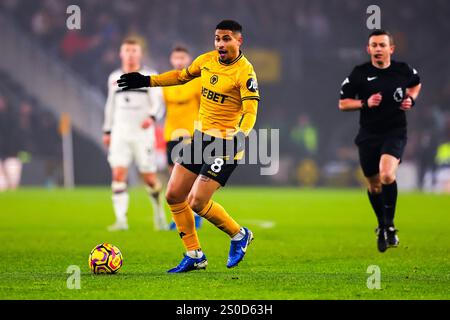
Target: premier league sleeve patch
(252, 85)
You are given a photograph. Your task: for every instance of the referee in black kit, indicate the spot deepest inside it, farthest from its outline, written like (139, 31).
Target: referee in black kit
(383, 90)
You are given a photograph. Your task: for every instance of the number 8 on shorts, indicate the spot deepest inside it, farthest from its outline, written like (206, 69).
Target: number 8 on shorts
(217, 165)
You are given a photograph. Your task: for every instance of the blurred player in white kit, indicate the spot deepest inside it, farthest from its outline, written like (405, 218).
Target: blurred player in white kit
(129, 133)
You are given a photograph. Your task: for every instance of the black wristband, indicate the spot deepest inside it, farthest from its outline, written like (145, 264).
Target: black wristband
(364, 104)
(107, 132)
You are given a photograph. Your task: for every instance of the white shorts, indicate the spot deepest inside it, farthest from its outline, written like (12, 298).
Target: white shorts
(123, 150)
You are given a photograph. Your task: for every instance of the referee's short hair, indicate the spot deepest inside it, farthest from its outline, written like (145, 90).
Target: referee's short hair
(381, 32)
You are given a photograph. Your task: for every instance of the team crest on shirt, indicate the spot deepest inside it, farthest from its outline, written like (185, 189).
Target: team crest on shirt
(252, 85)
(214, 79)
(398, 95)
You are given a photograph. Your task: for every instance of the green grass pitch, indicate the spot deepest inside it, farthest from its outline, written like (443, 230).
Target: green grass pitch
(309, 244)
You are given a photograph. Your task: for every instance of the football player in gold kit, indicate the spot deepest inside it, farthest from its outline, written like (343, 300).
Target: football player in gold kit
(227, 114)
(182, 103)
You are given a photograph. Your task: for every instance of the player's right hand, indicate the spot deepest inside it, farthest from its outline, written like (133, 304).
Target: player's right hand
(374, 100)
(106, 139)
(133, 80)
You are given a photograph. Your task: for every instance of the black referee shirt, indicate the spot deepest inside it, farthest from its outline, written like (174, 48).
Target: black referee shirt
(366, 80)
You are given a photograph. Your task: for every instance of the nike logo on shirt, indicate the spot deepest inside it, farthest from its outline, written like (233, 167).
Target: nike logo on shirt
(371, 78)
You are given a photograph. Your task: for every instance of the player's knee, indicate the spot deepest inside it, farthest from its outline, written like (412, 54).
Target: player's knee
(118, 186)
(174, 197)
(387, 177)
(197, 203)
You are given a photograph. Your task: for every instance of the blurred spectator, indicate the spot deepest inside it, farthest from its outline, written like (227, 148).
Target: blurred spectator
(76, 43)
(5, 123)
(304, 137)
(41, 25)
(29, 139)
(5, 137)
(429, 134)
(443, 162)
(49, 148)
(24, 145)
(13, 141)
(107, 29)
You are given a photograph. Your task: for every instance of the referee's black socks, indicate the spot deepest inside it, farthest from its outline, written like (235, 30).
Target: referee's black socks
(389, 195)
(377, 204)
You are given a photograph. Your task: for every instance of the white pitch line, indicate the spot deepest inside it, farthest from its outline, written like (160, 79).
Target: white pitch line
(265, 224)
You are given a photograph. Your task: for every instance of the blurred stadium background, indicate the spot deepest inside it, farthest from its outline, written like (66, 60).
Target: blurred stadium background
(301, 50)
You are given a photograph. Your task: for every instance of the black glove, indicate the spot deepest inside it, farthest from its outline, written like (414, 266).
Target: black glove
(133, 80)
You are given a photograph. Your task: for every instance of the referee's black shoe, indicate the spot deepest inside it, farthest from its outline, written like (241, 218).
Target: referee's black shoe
(382, 243)
(392, 238)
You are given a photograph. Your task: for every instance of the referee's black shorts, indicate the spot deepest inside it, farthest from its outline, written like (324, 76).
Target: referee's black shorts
(215, 167)
(371, 146)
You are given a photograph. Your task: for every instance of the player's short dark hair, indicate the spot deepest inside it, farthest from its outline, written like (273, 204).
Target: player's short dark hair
(180, 48)
(229, 25)
(381, 32)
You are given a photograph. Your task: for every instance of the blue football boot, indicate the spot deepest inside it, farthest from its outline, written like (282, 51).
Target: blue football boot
(189, 264)
(238, 249)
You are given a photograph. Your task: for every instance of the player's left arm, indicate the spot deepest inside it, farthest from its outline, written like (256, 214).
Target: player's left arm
(413, 90)
(248, 86)
(136, 80)
(248, 120)
(249, 111)
(249, 90)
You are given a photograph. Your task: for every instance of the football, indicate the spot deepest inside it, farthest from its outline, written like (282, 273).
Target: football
(105, 258)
